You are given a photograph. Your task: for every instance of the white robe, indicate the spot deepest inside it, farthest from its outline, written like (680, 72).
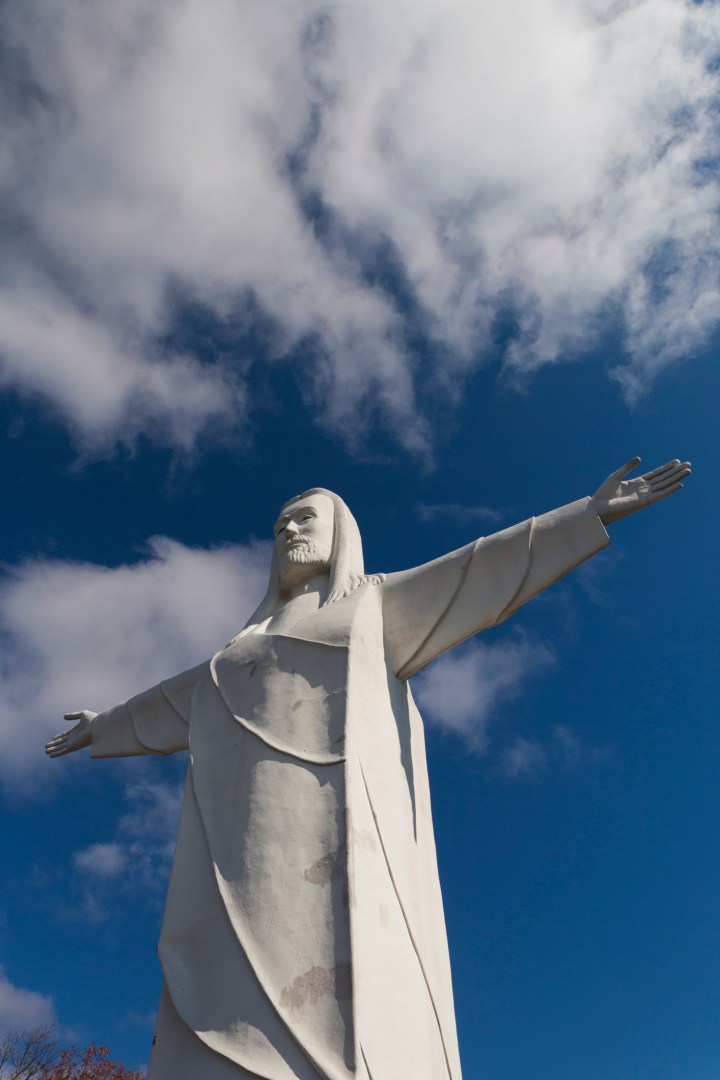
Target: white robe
(303, 934)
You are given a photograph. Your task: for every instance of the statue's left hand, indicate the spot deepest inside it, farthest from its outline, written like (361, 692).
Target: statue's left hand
(616, 498)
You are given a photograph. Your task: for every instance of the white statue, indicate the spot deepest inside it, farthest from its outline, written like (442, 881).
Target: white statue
(303, 934)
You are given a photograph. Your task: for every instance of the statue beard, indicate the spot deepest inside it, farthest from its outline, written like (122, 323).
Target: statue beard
(302, 560)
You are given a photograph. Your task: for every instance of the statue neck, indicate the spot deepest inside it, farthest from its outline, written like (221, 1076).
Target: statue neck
(316, 586)
(303, 599)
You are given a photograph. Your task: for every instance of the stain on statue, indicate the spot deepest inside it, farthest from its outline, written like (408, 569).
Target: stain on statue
(303, 935)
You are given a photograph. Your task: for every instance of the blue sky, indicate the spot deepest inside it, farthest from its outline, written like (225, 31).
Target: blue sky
(457, 265)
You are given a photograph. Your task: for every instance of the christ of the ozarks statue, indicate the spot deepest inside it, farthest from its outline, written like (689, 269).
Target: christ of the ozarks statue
(303, 934)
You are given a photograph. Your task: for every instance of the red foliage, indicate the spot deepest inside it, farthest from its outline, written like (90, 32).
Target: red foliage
(93, 1063)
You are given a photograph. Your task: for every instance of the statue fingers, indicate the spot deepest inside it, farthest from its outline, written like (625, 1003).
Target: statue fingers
(661, 469)
(667, 479)
(656, 496)
(625, 469)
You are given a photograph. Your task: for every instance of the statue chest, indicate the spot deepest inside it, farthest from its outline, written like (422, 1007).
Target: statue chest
(289, 692)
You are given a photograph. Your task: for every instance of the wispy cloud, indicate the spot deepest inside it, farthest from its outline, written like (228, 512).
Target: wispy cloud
(564, 750)
(463, 690)
(147, 832)
(100, 860)
(78, 635)
(553, 161)
(595, 577)
(22, 1009)
(136, 859)
(524, 758)
(458, 512)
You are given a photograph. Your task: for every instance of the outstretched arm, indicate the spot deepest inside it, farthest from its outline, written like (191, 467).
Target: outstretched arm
(433, 607)
(154, 722)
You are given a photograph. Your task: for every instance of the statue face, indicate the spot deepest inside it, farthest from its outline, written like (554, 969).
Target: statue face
(303, 539)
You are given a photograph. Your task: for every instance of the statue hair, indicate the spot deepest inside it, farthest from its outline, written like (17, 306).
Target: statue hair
(347, 571)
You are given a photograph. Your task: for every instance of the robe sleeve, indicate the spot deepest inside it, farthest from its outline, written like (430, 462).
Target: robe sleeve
(154, 722)
(430, 608)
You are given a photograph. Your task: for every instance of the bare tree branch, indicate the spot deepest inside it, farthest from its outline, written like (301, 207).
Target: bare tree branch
(25, 1055)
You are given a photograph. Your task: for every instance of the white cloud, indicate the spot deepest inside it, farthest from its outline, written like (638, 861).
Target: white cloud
(550, 149)
(147, 832)
(21, 1009)
(530, 758)
(524, 758)
(77, 635)
(94, 377)
(556, 154)
(463, 690)
(596, 576)
(100, 860)
(138, 857)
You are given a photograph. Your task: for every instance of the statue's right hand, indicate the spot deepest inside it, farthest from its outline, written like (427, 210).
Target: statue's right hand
(66, 742)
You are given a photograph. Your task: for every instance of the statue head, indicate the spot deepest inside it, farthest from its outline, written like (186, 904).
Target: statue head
(303, 539)
(314, 533)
